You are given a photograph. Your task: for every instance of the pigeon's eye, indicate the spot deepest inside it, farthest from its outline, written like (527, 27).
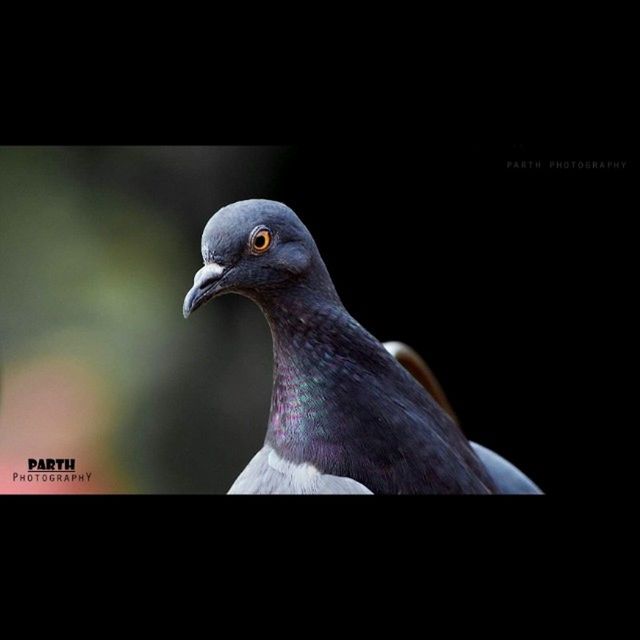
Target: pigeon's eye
(260, 240)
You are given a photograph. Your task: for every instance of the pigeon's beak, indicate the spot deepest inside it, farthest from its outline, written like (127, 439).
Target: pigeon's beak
(205, 287)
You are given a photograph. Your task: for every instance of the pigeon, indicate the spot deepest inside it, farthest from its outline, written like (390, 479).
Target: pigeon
(346, 416)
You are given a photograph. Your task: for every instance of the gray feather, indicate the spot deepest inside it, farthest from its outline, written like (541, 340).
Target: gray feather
(507, 477)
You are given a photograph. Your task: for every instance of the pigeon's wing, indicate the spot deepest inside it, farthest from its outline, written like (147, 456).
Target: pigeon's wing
(269, 473)
(508, 478)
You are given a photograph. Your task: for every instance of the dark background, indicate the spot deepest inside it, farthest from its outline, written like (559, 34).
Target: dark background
(480, 268)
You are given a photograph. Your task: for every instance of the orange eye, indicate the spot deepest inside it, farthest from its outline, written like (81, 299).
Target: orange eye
(260, 240)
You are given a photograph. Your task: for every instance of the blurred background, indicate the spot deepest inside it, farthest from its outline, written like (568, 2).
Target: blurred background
(98, 246)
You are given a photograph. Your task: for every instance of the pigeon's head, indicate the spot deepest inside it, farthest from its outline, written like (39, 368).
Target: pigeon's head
(254, 247)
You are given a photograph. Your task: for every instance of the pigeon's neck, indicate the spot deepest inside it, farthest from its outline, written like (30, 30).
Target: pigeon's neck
(293, 319)
(301, 309)
(301, 321)
(309, 330)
